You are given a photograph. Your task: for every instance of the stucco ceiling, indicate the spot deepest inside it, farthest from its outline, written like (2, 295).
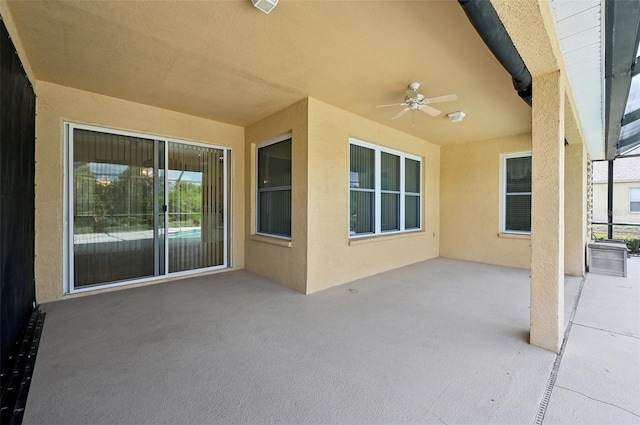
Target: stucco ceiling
(229, 62)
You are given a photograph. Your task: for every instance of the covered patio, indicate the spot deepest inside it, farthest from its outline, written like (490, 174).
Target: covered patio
(440, 341)
(302, 153)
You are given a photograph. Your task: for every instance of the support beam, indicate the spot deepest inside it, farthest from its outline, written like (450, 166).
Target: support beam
(547, 212)
(622, 25)
(610, 201)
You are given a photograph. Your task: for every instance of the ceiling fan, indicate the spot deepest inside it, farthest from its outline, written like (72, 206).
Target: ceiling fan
(416, 101)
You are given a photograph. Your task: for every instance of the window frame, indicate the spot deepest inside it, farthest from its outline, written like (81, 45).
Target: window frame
(272, 141)
(637, 199)
(377, 190)
(503, 224)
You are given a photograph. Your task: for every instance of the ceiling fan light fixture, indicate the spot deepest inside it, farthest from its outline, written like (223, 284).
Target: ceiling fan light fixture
(457, 116)
(265, 5)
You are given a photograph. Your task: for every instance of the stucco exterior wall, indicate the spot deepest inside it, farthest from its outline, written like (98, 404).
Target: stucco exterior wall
(575, 209)
(471, 203)
(600, 201)
(621, 213)
(590, 218)
(277, 259)
(57, 104)
(320, 254)
(332, 257)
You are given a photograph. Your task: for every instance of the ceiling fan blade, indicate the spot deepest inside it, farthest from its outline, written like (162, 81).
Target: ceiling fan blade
(447, 98)
(401, 113)
(429, 110)
(392, 104)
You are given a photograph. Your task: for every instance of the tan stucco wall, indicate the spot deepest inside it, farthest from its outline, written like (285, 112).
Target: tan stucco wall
(320, 254)
(332, 258)
(56, 104)
(282, 261)
(575, 208)
(600, 202)
(621, 213)
(547, 212)
(471, 203)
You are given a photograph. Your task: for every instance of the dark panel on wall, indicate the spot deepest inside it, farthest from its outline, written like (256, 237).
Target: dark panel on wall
(17, 192)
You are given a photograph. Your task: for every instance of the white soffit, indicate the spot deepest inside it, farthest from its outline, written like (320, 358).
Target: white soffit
(580, 28)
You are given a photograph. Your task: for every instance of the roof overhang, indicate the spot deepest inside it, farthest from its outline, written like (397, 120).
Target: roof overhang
(580, 29)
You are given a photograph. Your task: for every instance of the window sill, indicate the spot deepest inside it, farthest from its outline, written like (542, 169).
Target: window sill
(514, 236)
(382, 238)
(271, 240)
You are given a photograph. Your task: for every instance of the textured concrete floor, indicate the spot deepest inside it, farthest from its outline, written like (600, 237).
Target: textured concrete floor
(442, 341)
(599, 377)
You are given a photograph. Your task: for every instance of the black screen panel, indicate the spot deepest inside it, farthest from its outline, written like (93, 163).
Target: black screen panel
(17, 192)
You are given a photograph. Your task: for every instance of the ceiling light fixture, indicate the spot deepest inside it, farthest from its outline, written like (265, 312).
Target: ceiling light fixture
(265, 5)
(457, 116)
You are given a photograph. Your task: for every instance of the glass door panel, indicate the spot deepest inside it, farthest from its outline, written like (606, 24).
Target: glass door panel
(160, 209)
(195, 209)
(113, 207)
(141, 207)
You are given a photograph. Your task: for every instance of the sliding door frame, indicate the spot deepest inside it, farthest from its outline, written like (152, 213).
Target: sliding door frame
(68, 226)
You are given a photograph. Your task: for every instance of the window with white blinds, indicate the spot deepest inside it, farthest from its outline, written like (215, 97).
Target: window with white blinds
(385, 190)
(274, 188)
(517, 193)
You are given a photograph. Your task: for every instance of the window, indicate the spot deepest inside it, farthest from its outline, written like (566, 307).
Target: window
(634, 199)
(385, 190)
(274, 188)
(517, 193)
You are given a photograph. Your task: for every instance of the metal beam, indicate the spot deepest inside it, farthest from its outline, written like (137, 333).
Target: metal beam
(628, 143)
(622, 32)
(610, 202)
(630, 117)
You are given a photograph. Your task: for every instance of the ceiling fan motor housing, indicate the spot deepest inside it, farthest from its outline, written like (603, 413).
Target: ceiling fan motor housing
(414, 98)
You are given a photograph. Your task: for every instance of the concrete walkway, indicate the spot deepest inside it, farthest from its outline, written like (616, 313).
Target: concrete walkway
(598, 381)
(442, 341)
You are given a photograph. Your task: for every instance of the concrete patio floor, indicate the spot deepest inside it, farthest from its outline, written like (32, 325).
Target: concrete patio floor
(442, 341)
(599, 377)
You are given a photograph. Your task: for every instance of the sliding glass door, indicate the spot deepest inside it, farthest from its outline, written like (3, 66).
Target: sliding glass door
(113, 200)
(142, 207)
(196, 207)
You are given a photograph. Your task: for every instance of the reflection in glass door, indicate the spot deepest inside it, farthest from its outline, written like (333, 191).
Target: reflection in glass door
(113, 198)
(196, 199)
(141, 208)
